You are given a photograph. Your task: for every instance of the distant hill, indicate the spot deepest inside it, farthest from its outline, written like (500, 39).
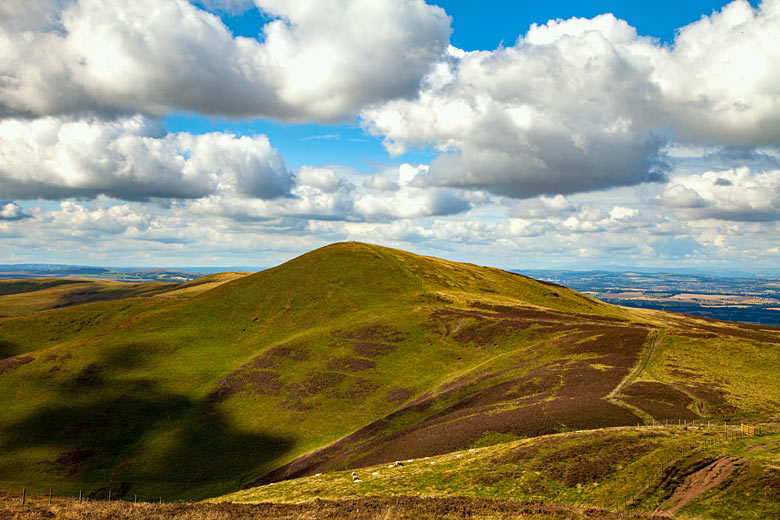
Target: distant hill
(169, 274)
(348, 356)
(28, 271)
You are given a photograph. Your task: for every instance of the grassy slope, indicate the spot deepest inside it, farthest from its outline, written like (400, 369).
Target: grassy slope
(636, 469)
(23, 286)
(412, 355)
(55, 294)
(72, 313)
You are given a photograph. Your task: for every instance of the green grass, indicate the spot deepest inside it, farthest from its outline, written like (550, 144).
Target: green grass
(164, 394)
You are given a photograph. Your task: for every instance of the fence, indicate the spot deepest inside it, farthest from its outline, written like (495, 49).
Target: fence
(28, 495)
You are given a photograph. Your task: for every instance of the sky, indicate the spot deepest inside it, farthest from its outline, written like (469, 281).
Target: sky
(516, 134)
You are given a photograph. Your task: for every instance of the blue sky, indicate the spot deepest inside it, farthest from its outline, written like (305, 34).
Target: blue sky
(475, 26)
(485, 25)
(245, 132)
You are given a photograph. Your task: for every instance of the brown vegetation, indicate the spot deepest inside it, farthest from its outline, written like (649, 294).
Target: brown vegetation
(397, 508)
(375, 332)
(659, 400)
(372, 350)
(274, 356)
(597, 456)
(399, 395)
(349, 364)
(565, 394)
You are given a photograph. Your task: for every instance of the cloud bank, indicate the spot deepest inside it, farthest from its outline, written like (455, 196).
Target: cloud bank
(315, 61)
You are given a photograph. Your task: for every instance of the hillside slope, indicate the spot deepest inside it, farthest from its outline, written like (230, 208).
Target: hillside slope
(348, 356)
(21, 297)
(706, 471)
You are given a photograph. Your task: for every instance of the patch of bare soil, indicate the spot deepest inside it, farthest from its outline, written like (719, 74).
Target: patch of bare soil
(14, 362)
(700, 481)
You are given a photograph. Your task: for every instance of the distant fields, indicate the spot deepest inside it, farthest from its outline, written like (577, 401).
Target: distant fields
(734, 298)
(347, 357)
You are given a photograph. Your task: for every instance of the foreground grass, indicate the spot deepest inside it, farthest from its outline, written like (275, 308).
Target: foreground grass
(396, 508)
(638, 469)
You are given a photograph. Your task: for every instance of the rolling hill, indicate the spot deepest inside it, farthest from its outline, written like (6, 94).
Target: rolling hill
(349, 356)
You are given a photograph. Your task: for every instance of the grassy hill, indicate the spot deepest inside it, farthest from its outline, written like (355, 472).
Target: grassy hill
(346, 357)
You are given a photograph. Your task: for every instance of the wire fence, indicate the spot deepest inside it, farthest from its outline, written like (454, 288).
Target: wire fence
(38, 494)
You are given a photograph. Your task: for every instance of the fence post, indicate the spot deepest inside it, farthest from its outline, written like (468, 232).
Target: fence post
(135, 498)
(49, 496)
(109, 496)
(24, 495)
(160, 500)
(79, 496)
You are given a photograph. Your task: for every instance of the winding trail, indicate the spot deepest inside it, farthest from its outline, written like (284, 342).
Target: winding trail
(613, 398)
(657, 342)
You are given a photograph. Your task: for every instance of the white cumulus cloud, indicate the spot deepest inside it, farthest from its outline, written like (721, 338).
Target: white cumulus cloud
(316, 60)
(10, 210)
(586, 104)
(132, 159)
(738, 194)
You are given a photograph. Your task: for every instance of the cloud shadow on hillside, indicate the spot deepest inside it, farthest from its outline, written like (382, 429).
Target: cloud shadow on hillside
(103, 422)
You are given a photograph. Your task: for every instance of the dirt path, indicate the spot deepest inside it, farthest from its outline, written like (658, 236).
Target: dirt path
(657, 342)
(613, 398)
(701, 406)
(701, 481)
